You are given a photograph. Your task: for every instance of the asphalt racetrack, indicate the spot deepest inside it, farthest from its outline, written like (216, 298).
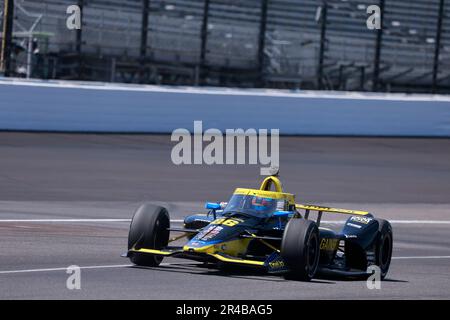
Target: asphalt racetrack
(66, 199)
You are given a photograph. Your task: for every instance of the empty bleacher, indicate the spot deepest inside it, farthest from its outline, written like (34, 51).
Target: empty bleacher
(111, 39)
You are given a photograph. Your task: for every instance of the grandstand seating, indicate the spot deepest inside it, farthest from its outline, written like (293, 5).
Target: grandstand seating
(112, 30)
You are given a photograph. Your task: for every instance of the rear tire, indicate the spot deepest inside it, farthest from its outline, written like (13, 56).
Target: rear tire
(148, 229)
(300, 249)
(383, 247)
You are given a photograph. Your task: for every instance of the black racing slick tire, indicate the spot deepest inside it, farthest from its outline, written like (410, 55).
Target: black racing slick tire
(383, 247)
(148, 229)
(300, 249)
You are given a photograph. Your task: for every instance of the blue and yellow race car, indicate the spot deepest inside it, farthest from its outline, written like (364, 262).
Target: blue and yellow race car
(265, 228)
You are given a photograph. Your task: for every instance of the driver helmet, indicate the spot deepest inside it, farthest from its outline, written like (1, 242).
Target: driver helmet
(261, 204)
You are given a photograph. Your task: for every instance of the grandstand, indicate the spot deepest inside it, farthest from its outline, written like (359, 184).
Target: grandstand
(305, 44)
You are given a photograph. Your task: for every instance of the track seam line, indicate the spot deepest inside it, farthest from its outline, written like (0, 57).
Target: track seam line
(169, 264)
(181, 220)
(422, 257)
(87, 267)
(65, 220)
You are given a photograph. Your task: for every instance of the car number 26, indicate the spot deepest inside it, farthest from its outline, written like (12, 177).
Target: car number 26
(229, 222)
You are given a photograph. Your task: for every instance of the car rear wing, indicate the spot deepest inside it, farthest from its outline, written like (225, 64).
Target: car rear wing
(308, 208)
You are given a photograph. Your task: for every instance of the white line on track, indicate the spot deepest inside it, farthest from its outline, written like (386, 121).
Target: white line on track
(423, 257)
(65, 220)
(421, 221)
(181, 220)
(401, 222)
(87, 267)
(64, 269)
(170, 264)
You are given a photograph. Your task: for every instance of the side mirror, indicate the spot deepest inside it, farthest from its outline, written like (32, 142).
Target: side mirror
(223, 205)
(282, 213)
(212, 206)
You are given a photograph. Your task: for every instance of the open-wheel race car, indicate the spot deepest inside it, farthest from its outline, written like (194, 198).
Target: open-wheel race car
(265, 228)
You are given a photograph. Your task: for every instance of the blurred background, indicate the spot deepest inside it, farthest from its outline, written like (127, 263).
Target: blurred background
(286, 44)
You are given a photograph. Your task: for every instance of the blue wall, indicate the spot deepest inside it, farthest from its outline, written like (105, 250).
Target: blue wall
(75, 106)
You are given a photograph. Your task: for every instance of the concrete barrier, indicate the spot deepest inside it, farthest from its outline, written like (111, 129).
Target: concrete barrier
(36, 105)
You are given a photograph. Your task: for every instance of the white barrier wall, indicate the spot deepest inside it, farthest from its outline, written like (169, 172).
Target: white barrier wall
(99, 107)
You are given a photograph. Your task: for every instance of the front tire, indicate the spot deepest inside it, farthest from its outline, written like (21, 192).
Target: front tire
(300, 249)
(148, 229)
(383, 247)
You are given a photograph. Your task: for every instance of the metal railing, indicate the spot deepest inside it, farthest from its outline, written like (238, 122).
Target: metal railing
(246, 42)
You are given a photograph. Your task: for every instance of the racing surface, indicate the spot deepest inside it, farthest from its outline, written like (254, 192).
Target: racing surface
(66, 199)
